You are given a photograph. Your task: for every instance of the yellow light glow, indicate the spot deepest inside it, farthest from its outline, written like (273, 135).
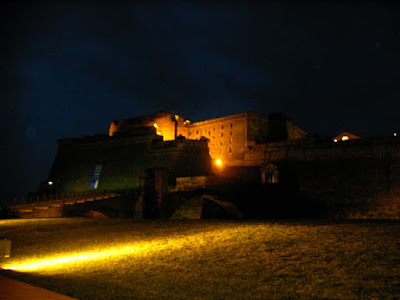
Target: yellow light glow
(155, 125)
(67, 262)
(50, 182)
(60, 261)
(335, 140)
(218, 162)
(345, 138)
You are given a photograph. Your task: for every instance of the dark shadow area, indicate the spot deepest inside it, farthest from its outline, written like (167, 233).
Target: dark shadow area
(261, 201)
(7, 212)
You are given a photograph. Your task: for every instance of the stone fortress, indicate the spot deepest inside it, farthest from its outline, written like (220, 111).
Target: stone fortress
(229, 138)
(349, 173)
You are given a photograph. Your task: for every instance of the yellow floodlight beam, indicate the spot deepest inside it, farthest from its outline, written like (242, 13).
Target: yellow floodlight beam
(58, 261)
(75, 259)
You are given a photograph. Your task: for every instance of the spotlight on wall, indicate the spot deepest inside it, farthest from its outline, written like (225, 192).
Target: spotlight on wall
(50, 182)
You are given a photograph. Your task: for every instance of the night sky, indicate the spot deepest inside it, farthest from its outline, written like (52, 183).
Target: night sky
(68, 70)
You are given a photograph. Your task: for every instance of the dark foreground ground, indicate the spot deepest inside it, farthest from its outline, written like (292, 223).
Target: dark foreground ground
(114, 259)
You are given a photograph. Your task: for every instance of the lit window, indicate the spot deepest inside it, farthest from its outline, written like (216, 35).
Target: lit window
(345, 138)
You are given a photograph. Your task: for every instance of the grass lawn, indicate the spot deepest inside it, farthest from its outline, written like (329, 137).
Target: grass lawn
(114, 259)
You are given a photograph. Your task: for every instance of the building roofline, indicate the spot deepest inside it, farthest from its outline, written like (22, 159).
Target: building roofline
(215, 120)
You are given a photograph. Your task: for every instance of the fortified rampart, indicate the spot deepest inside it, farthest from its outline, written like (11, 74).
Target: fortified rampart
(229, 136)
(123, 159)
(355, 176)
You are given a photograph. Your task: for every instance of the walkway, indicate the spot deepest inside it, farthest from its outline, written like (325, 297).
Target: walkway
(11, 289)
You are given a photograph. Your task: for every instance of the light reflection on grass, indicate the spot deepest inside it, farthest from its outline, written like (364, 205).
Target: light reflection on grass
(205, 260)
(57, 263)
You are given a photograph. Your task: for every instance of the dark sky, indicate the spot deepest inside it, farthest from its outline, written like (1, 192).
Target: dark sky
(68, 70)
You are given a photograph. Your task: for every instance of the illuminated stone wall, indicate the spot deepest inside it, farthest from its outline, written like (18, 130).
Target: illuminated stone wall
(166, 125)
(124, 158)
(231, 138)
(227, 137)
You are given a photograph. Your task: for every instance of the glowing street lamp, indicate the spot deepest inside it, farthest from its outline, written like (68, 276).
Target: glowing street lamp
(218, 162)
(50, 182)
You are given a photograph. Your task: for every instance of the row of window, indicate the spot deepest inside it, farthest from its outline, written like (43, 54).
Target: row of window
(221, 151)
(221, 143)
(209, 132)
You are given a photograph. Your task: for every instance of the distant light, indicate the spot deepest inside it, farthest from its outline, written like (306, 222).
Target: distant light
(395, 134)
(50, 182)
(335, 140)
(218, 162)
(345, 138)
(155, 125)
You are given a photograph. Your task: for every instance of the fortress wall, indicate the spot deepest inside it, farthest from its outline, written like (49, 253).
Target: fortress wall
(124, 160)
(294, 132)
(355, 178)
(226, 135)
(121, 159)
(258, 128)
(165, 123)
(350, 186)
(166, 126)
(307, 149)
